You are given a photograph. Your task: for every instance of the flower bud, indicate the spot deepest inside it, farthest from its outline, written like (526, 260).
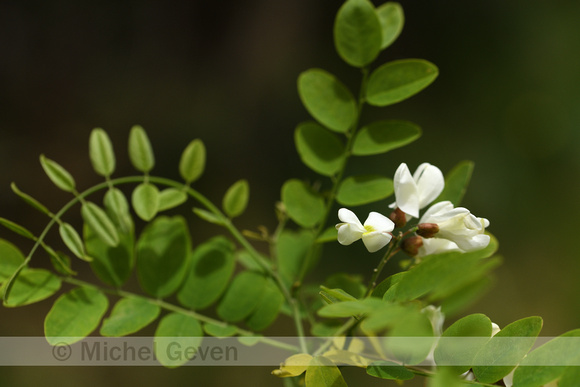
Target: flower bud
(427, 230)
(412, 245)
(398, 217)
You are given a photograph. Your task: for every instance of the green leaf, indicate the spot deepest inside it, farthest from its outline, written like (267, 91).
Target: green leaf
(97, 219)
(445, 378)
(211, 268)
(30, 200)
(209, 216)
(327, 99)
(112, 264)
(73, 241)
(60, 262)
(321, 372)
(101, 152)
(162, 251)
(364, 189)
(145, 200)
(140, 151)
(57, 174)
(350, 283)
(465, 296)
(350, 308)
(32, 285)
(332, 296)
(358, 34)
(75, 315)
(398, 80)
(192, 163)
(328, 235)
(555, 355)
(383, 136)
(304, 206)
(171, 198)
(570, 377)
(129, 315)
(117, 207)
(291, 250)
(436, 272)
(392, 19)
(236, 198)
(18, 229)
(456, 183)
(389, 370)
(177, 339)
(319, 149)
(458, 354)
(267, 309)
(11, 259)
(501, 350)
(219, 330)
(242, 297)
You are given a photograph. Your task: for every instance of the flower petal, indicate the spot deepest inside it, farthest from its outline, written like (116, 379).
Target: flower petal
(436, 246)
(430, 183)
(348, 234)
(476, 242)
(374, 241)
(347, 216)
(379, 222)
(406, 194)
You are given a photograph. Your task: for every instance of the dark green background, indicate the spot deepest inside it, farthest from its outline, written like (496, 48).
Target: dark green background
(507, 97)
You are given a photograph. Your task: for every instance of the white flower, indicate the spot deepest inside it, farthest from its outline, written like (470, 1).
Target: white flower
(375, 233)
(414, 192)
(457, 225)
(436, 246)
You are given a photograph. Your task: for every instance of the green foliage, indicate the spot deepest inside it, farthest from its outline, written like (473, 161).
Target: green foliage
(392, 19)
(327, 99)
(73, 241)
(57, 174)
(75, 315)
(364, 189)
(171, 198)
(101, 152)
(145, 200)
(460, 351)
(456, 182)
(112, 264)
(389, 370)
(323, 373)
(319, 149)
(140, 150)
(383, 136)
(292, 251)
(212, 265)
(398, 80)
(10, 259)
(162, 251)
(32, 285)
(268, 307)
(192, 161)
(242, 296)
(129, 315)
(236, 198)
(176, 331)
(304, 206)
(100, 223)
(29, 200)
(560, 350)
(500, 349)
(358, 34)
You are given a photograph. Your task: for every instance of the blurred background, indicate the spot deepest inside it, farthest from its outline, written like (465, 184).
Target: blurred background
(508, 98)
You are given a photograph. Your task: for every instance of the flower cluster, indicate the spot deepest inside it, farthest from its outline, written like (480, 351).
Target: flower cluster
(442, 227)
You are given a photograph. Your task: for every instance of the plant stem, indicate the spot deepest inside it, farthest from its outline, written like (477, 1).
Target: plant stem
(391, 251)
